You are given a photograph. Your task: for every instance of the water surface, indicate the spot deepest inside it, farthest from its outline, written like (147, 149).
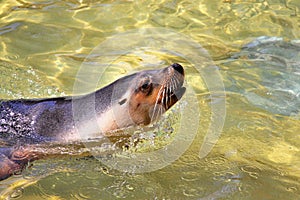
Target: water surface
(44, 43)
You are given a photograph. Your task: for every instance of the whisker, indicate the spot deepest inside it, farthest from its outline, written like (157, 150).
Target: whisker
(161, 111)
(177, 81)
(167, 94)
(168, 91)
(158, 113)
(177, 76)
(154, 114)
(156, 101)
(173, 85)
(163, 102)
(170, 86)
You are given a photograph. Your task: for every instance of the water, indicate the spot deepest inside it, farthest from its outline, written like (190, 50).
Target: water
(44, 43)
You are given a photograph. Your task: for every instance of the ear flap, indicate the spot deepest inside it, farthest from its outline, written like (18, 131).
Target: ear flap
(122, 101)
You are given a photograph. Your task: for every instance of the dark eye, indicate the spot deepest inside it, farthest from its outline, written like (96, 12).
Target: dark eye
(145, 86)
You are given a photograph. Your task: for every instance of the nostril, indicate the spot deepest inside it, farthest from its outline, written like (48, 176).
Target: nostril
(178, 68)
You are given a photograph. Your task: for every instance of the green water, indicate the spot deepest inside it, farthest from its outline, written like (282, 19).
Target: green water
(44, 43)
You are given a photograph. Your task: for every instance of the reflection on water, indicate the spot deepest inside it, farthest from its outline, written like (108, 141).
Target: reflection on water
(276, 66)
(43, 44)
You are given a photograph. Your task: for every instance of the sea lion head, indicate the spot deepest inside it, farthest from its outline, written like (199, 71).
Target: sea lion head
(151, 93)
(136, 99)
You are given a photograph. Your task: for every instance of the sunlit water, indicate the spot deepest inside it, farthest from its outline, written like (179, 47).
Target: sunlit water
(44, 43)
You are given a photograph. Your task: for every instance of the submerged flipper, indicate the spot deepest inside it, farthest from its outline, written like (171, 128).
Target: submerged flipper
(14, 160)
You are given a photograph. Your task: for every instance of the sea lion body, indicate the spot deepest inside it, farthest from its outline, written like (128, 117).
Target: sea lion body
(43, 120)
(137, 99)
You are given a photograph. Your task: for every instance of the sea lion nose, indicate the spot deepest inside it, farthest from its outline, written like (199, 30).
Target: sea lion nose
(178, 68)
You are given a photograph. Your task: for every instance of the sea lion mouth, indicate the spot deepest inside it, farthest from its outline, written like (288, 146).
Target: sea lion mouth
(176, 96)
(172, 96)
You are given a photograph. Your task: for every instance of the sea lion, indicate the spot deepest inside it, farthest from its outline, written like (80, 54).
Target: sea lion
(137, 99)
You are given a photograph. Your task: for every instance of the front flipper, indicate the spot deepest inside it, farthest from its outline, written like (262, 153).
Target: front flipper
(8, 167)
(13, 161)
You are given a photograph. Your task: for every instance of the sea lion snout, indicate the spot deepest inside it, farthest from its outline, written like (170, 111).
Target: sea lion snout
(178, 68)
